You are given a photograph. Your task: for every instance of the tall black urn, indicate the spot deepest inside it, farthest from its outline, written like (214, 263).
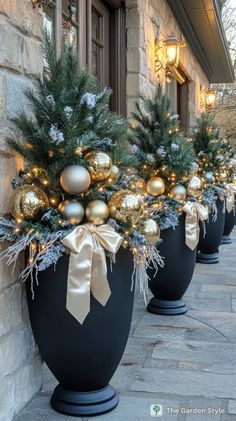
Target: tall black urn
(169, 284)
(208, 247)
(84, 357)
(228, 227)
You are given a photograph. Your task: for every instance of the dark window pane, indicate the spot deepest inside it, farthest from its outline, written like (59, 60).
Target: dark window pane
(97, 60)
(70, 22)
(49, 19)
(96, 25)
(70, 9)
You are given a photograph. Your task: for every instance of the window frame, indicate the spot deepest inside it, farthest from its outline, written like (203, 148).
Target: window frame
(84, 44)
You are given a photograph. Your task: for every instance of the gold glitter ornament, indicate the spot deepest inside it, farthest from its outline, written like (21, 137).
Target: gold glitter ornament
(151, 231)
(155, 186)
(75, 179)
(178, 192)
(99, 165)
(72, 211)
(29, 202)
(97, 212)
(126, 205)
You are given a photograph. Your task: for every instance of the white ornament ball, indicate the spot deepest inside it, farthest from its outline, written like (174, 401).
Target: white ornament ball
(75, 179)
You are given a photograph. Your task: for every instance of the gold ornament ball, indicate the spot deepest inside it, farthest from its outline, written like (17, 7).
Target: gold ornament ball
(99, 165)
(155, 186)
(29, 202)
(151, 231)
(72, 211)
(115, 173)
(75, 179)
(208, 177)
(97, 212)
(178, 192)
(124, 205)
(194, 187)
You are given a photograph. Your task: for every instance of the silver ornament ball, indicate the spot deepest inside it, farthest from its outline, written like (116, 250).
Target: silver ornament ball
(208, 177)
(72, 211)
(75, 179)
(178, 192)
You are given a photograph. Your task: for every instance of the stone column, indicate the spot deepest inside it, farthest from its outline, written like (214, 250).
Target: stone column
(20, 59)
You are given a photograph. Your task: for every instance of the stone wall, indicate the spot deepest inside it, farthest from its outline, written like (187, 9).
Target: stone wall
(20, 58)
(146, 21)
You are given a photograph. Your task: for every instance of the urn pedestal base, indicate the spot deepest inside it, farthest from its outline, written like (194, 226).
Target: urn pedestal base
(208, 259)
(167, 307)
(84, 404)
(226, 239)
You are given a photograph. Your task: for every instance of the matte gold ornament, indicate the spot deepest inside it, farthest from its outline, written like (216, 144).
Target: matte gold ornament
(29, 202)
(155, 186)
(208, 177)
(75, 179)
(72, 211)
(178, 192)
(151, 231)
(99, 165)
(194, 187)
(97, 212)
(126, 205)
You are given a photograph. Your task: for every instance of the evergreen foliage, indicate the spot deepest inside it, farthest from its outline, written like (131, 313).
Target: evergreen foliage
(157, 138)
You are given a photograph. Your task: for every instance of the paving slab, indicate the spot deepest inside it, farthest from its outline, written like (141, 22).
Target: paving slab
(186, 383)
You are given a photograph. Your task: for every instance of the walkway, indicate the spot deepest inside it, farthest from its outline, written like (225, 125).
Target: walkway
(183, 363)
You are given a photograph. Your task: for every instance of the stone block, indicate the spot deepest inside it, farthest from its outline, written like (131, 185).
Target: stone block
(10, 309)
(26, 18)
(6, 399)
(27, 382)
(11, 48)
(14, 350)
(132, 84)
(15, 98)
(8, 171)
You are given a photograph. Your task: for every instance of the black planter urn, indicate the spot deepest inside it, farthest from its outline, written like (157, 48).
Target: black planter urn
(228, 227)
(169, 284)
(82, 357)
(208, 247)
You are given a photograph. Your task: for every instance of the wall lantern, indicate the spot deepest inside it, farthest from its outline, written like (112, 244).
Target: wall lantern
(167, 51)
(210, 98)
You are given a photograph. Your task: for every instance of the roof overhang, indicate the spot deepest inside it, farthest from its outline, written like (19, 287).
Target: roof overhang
(201, 24)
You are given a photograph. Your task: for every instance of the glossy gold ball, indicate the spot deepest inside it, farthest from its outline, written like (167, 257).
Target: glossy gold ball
(126, 205)
(97, 212)
(75, 179)
(151, 231)
(178, 192)
(155, 186)
(194, 187)
(208, 177)
(99, 165)
(29, 202)
(72, 211)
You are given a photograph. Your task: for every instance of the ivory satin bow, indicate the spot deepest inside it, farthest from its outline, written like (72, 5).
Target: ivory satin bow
(230, 196)
(195, 212)
(87, 266)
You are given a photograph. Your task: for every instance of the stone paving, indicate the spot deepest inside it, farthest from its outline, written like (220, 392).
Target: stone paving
(184, 363)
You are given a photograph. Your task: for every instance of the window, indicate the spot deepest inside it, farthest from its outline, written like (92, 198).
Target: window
(178, 93)
(96, 29)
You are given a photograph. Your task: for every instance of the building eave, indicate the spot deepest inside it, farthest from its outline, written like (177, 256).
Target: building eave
(201, 24)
